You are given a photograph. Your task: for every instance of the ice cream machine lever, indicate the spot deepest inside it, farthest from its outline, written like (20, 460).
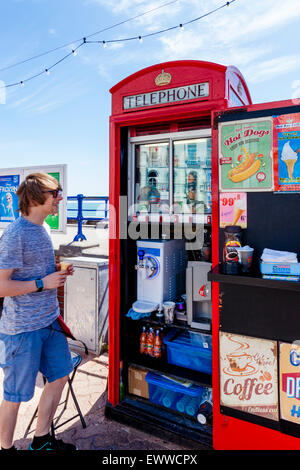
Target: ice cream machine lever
(147, 265)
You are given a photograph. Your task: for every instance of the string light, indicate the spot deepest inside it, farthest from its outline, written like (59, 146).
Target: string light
(90, 35)
(104, 43)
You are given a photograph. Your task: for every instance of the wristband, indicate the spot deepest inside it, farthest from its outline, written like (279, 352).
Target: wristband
(39, 284)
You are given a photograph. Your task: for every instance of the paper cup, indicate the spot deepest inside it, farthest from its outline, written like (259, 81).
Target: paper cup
(245, 258)
(169, 311)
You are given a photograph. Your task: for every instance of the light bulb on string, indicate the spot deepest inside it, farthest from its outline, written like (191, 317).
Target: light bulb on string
(47, 71)
(74, 52)
(22, 84)
(104, 44)
(140, 39)
(181, 27)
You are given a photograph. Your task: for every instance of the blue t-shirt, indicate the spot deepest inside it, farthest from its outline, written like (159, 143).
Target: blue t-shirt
(27, 249)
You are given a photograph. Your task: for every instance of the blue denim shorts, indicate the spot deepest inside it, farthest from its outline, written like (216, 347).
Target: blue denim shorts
(23, 355)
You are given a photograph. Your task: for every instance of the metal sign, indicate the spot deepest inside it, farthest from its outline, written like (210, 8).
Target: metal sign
(289, 361)
(248, 375)
(172, 95)
(246, 161)
(286, 135)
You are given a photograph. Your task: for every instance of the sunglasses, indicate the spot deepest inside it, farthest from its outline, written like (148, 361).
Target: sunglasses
(55, 192)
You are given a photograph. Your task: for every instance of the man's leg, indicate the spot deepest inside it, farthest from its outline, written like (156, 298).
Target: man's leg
(48, 404)
(8, 418)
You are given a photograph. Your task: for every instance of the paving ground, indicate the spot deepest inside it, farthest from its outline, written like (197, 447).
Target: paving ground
(90, 386)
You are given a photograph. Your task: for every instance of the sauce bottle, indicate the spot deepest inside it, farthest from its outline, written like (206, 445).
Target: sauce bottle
(157, 345)
(150, 342)
(143, 341)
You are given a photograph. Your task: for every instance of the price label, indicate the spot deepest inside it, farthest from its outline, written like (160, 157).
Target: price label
(233, 209)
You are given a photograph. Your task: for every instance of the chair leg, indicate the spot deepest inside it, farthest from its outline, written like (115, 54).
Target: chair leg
(76, 404)
(31, 421)
(70, 380)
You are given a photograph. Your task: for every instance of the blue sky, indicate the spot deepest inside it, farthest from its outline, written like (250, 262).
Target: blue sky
(63, 117)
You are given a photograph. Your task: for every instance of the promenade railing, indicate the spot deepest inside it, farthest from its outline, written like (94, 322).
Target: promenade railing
(81, 210)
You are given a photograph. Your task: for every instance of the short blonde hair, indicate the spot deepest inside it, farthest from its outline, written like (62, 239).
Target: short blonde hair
(31, 191)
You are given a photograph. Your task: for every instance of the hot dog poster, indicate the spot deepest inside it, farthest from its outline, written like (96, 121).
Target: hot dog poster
(248, 375)
(286, 135)
(246, 161)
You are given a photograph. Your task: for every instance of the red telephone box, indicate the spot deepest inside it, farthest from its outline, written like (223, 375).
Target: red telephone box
(164, 176)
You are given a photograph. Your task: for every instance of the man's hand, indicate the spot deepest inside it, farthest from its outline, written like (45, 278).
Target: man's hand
(55, 280)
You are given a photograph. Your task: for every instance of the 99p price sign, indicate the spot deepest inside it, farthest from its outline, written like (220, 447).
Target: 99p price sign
(233, 209)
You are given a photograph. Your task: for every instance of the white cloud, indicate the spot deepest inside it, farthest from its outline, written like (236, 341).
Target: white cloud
(273, 67)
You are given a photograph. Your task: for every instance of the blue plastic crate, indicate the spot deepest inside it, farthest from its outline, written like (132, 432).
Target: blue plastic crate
(190, 350)
(168, 392)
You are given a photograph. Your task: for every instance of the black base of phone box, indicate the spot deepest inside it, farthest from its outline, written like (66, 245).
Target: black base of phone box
(153, 420)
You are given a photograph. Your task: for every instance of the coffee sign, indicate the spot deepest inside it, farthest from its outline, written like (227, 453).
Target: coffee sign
(248, 375)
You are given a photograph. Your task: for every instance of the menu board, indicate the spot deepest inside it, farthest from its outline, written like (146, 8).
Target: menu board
(286, 143)
(246, 158)
(289, 360)
(248, 375)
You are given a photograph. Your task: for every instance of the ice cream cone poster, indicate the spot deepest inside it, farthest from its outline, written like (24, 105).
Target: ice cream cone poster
(245, 155)
(248, 375)
(286, 134)
(233, 209)
(289, 360)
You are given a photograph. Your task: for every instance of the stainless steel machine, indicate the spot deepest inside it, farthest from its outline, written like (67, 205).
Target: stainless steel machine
(86, 301)
(161, 266)
(198, 295)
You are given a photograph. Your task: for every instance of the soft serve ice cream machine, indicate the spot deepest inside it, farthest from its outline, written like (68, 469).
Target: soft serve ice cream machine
(164, 273)
(161, 266)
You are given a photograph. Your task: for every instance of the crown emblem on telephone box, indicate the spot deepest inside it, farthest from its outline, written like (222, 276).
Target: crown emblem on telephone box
(163, 78)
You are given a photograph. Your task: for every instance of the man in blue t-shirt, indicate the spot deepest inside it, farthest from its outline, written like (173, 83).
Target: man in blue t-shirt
(31, 339)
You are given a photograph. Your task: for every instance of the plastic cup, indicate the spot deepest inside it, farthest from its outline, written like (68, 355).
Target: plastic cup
(245, 257)
(64, 265)
(169, 311)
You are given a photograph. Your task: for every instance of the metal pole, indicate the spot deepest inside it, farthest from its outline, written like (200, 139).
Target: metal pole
(106, 201)
(80, 218)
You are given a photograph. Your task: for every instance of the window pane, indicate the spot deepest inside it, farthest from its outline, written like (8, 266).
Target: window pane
(152, 177)
(192, 176)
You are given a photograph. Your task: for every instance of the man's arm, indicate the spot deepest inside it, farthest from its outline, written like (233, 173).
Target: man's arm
(12, 288)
